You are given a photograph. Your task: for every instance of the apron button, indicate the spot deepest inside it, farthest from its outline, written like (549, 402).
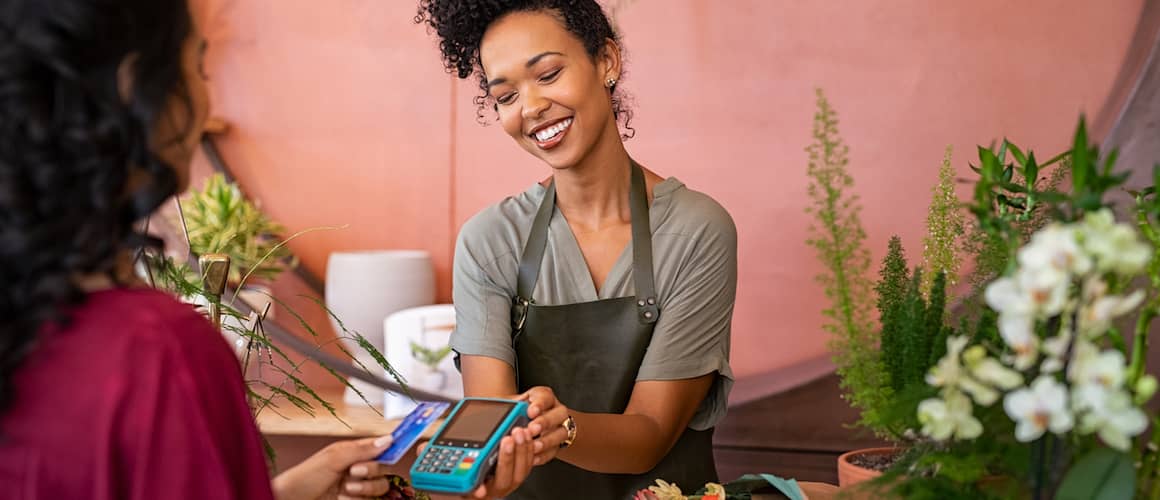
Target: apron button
(648, 315)
(652, 301)
(640, 303)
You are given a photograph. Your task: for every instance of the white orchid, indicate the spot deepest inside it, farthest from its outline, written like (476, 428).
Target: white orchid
(1046, 288)
(1006, 297)
(949, 370)
(1096, 317)
(1055, 247)
(1090, 367)
(1110, 413)
(1054, 350)
(1018, 333)
(991, 371)
(1040, 408)
(1115, 247)
(949, 417)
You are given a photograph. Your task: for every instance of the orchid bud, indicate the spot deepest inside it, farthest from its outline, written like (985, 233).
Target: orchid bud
(1145, 388)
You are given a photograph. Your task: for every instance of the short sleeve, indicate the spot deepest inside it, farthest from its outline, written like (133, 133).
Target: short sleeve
(482, 306)
(692, 335)
(188, 432)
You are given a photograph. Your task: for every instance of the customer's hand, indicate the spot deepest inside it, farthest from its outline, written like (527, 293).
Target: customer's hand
(547, 425)
(342, 470)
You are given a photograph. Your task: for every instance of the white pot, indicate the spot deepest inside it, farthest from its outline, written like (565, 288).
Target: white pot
(256, 296)
(430, 327)
(364, 287)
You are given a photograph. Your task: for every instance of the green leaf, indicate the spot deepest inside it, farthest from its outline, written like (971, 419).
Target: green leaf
(1030, 170)
(1081, 161)
(1103, 474)
(1016, 152)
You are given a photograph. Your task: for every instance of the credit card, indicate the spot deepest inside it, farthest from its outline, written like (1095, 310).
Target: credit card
(411, 429)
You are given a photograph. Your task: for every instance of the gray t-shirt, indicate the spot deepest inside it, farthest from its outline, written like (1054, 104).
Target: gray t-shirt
(695, 261)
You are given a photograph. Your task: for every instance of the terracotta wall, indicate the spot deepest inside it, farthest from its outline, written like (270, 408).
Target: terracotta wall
(342, 114)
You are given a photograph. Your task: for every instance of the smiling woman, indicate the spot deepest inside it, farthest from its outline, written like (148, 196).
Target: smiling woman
(603, 294)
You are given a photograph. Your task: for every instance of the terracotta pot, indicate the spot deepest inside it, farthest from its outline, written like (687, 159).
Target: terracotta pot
(850, 474)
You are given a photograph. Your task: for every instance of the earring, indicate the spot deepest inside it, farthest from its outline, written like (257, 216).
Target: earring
(611, 82)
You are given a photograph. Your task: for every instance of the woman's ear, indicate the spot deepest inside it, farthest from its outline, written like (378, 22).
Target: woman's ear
(125, 72)
(609, 60)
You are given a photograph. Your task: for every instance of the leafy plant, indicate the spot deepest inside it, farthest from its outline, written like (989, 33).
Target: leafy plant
(944, 229)
(838, 237)
(879, 364)
(1040, 398)
(219, 219)
(913, 323)
(430, 357)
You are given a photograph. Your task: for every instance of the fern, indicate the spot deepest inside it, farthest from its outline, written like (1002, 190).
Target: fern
(944, 229)
(894, 279)
(838, 238)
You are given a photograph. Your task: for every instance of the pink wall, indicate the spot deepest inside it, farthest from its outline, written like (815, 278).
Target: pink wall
(342, 115)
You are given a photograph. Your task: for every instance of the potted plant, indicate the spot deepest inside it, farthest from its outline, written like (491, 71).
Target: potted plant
(1047, 398)
(433, 379)
(880, 361)
(219, 219)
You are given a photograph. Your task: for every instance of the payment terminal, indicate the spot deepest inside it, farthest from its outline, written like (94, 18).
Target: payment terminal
(463, 451)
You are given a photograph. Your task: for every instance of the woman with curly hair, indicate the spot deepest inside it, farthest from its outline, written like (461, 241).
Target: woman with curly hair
(109, 389)
(604, 294)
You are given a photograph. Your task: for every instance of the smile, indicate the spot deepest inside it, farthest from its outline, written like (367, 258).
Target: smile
(550, 136)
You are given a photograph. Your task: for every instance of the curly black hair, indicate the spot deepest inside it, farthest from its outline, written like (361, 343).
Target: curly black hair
(461, 24)
(69, 141)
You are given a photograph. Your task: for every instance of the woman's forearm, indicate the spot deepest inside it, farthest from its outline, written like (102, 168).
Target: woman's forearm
(616, 444)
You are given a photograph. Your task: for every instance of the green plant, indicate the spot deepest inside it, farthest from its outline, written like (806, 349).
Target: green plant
(912, 324)
(944, 229)
(219, 219)
(836, 234)
(1045, 398)
(430, 357)
(991, 250)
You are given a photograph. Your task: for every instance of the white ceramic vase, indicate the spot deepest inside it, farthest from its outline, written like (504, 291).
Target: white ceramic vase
(363, 288)
(429, 327)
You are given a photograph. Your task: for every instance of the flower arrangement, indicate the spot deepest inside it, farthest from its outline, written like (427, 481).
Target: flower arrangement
(1047, 397)
(742, 488)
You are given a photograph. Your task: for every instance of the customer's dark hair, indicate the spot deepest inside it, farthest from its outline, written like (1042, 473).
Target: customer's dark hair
(460, 25)
(70, 136)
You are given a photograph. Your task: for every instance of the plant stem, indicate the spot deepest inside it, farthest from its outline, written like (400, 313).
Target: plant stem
(1140, 341)
(1037, 467)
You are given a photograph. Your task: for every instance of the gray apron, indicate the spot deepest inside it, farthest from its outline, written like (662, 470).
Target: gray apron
(589, 354)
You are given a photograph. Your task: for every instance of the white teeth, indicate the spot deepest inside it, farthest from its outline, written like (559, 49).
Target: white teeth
(550, 132)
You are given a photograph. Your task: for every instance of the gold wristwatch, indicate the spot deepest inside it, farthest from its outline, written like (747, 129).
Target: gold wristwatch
(570, 426)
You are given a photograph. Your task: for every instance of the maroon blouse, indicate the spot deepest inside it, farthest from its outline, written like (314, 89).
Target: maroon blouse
(138, 397)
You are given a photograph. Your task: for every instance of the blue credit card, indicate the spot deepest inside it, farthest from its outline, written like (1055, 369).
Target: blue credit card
(411, 429)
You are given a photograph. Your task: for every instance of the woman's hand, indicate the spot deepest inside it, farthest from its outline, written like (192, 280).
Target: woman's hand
(547, 425)
(528, 447)
(342, 470)
(512, 466)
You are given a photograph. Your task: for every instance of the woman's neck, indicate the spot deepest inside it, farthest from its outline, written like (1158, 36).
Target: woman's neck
(593, 193)
(122, 275)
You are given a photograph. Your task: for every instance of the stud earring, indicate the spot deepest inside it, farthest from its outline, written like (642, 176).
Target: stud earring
(611, 82)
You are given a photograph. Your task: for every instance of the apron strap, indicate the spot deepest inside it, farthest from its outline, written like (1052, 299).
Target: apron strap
(642, 261)
(534, 249)
(642, 256)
